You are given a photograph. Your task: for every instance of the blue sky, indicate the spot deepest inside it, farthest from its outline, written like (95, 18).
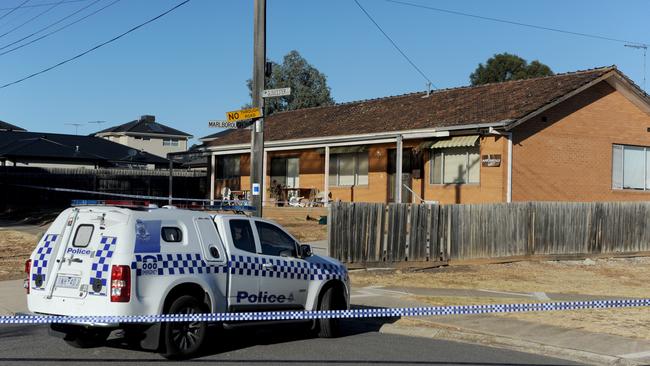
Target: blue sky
(191, 66)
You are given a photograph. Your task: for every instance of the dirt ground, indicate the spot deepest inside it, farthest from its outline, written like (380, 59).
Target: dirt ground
(296, 222)
(621, 277)
(15, 248)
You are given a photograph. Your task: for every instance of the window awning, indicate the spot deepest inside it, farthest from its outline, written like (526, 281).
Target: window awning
(456, 141)
(344, 149)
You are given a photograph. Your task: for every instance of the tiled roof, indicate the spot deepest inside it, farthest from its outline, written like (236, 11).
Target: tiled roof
(442, 108)
(26, 146)
(4, 126)
(145, 126)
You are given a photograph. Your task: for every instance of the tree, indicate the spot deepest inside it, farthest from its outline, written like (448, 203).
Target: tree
(504, 67)
(308, 85)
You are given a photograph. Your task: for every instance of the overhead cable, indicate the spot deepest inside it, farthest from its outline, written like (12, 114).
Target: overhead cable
(395, 45)
(506, 21)
(95, 47)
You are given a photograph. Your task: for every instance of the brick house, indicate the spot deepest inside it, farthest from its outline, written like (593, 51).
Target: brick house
(579, 136)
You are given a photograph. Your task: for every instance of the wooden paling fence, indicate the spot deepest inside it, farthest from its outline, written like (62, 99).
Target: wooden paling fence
(375, 233)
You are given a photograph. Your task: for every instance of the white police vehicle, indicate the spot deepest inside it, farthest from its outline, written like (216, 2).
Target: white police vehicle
(104, 260)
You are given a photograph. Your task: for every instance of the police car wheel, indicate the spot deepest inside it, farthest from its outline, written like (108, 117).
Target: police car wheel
(328, 327)
(182, 340)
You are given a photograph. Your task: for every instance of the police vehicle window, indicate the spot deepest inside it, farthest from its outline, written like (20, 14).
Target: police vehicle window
(171, 234)
(242, 235)
(275, 241)
(82, 236)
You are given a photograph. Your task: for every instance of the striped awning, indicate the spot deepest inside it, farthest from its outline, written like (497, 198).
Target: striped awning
(456, 141)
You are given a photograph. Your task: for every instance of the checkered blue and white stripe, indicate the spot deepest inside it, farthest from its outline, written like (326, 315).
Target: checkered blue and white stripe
(353, 313)
(41, 259)
(192, 263)
(175, 264)
(100, 268)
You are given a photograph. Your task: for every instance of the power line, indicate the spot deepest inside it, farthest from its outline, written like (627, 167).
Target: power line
(21, 6)
(56, 30)
(31, 19)
(95, 47)
(587, 35)
(14, 9)
(50, 25)
(430, 83)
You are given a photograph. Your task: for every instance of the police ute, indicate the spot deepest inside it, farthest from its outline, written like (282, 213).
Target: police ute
(119, 261)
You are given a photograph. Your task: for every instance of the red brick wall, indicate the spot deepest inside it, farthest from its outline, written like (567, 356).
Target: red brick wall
(569, 157)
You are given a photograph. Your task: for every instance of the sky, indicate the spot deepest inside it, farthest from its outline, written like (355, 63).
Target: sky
(191, 66)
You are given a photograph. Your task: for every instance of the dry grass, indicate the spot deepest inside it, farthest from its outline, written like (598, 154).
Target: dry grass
(15, 248)
(626, 277)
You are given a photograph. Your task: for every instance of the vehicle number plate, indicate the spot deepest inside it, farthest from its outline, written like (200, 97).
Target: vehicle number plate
(67, 281)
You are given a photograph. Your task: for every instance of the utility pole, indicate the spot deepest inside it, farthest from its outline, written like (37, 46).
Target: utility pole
(257, 131)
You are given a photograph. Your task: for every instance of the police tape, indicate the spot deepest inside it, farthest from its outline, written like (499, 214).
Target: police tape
(332, 314)
(227, 204)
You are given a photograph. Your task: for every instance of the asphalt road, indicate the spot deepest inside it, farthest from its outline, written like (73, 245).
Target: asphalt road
(361, 344)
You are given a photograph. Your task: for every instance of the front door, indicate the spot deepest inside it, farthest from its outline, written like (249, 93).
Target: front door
(285, 277)
(407, 177)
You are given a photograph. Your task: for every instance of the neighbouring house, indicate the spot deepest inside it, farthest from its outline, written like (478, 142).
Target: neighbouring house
(5, 126)
(147, 135)
(53, 150)
(578, 136)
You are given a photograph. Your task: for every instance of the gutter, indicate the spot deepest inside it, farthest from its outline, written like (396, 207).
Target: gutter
(374, 138)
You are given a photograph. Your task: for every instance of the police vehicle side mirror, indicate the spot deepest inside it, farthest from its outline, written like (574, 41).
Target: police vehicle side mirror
(305, 251)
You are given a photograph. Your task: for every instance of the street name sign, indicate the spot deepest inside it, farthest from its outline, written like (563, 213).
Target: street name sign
(270, 93)
(231, 125)
(243, 114)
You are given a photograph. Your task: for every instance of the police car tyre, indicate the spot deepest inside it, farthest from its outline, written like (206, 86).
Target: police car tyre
(328, 327)
(182, 340)
(87, 338)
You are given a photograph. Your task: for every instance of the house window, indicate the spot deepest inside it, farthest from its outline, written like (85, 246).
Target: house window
(630, 167)
(349, 169)
(227, 167)
(170, 142)
(457, 165)
(286, 172)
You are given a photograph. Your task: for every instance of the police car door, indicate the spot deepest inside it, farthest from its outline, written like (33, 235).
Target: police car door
(243, 265)
(285, 277)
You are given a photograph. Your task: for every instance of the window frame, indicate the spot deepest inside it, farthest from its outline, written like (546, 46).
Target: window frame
(646, 151)
(232, 238)
(296, 244)
(432, 154)
(180, 231)
(170, 142)
(336, 159)
(90, 237)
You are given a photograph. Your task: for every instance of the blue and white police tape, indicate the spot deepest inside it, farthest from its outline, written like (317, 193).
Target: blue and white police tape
(338, 314)
(225, 204)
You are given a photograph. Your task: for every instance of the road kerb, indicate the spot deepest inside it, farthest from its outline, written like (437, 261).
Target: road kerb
(440, 331)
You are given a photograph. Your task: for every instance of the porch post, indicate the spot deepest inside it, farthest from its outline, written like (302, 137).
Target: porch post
(263, 187)
(326, 179)
(212, 175)
(398, 170)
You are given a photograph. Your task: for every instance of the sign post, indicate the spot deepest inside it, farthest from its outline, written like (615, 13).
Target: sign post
(257, 132)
